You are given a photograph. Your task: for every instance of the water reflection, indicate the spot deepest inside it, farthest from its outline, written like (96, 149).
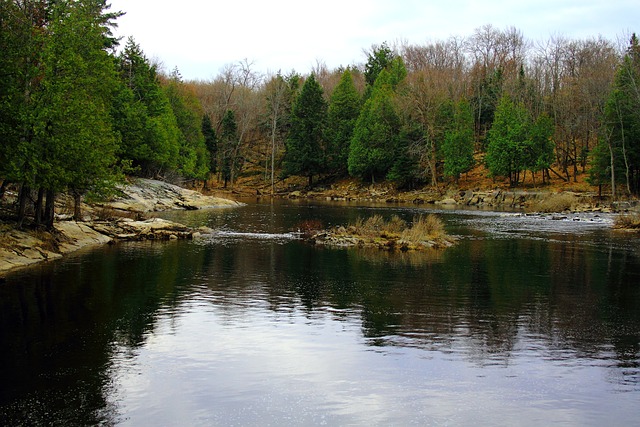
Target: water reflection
(252, 331)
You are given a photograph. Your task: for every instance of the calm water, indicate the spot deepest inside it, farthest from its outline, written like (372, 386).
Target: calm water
(527, 321)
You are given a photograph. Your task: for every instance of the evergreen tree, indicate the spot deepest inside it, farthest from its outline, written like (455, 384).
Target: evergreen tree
(18, 49)
(404, 169)
(376, 133)
(457, 147)
(305, 142)
(228, 142)
(193, 161)
(22, 34)
(540, 152)
(211, 142)
(67, 140)
(344, 109)
(622, 120)
(143, 116)
(485, 101)
(377, 60)
(507, 140)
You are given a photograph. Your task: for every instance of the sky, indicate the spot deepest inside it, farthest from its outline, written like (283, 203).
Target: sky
(201, 37)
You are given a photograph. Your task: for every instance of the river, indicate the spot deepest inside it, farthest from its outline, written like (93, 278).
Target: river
(527, 321)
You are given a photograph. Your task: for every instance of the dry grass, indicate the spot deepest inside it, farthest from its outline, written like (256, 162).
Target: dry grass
(423, 228)
(370, 227)
(629, 221)
(559, 202)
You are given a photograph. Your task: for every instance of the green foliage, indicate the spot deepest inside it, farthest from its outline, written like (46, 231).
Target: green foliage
(485, 100)
(376, 133)
(377, 60)
(540, 152)
(304, 144)
(20, 47)
(143, 115)
(517, 143)
(600, 164)
(397, 71)
(457, 147)
(211, 142)
(508, 138)
(622, 122)
(71, 144)
(193, 161)
(343, 113)
(404, 167)
(228, 146)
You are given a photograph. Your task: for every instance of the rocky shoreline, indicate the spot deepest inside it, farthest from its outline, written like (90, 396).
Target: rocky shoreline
(498, 198)
(124, 218)
(119, 220)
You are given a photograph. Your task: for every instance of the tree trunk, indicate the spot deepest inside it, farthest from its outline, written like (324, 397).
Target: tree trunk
(50, 209)
(3, 188)
(613, 172)
(77, 206)
(38, 207)
(310, 181)
(22, 203)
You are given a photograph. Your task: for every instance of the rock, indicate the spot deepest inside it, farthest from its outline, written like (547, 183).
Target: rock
(148, 195)
(447, 201)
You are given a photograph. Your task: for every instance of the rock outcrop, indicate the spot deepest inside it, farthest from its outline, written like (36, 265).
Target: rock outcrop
(148, 195)
(20, 248)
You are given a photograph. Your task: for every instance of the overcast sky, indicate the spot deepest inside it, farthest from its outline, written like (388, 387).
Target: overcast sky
(200, 37)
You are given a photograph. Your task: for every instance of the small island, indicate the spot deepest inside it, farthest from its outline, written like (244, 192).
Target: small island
(425, 232)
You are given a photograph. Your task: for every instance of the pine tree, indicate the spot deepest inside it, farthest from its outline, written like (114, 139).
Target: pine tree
(228, 142)
(344, 109)
(305, 142)
(67, 141)
(143, 115)
(193, 161)
(211, 142)
(457, 147)
(377, 60)
(622, 119)
(507, 140)
(540, 152)
(376, 133)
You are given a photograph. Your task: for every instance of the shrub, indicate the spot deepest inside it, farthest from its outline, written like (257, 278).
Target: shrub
(310, 226)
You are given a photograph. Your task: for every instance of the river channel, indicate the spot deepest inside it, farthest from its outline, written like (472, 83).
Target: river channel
(527, 320)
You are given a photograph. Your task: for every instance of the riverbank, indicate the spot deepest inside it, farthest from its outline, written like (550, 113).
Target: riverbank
(530, 200)
(474, 190)
(122, 219)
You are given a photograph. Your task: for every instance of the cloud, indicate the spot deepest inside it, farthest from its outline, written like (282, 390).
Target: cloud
(200, 37)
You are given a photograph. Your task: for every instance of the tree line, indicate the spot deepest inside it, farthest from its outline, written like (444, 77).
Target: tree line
(80, 109)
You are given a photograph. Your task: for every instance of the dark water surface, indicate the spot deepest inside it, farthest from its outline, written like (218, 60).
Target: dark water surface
(527, 321)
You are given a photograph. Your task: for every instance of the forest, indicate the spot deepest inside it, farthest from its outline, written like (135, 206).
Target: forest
(81, 109)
